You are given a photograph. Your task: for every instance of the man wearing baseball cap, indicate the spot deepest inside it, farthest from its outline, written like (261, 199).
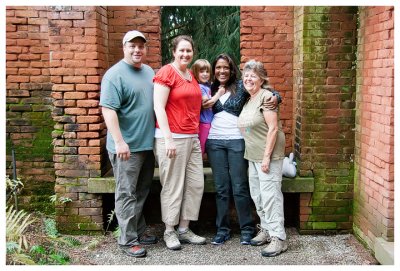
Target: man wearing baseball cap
(127, 106)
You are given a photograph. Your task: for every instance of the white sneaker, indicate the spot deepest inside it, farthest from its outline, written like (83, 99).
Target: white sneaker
(274, 248)
(171, 240)
(189, 237)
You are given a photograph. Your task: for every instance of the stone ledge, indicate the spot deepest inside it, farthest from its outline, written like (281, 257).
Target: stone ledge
(384, 251)
(296, 185)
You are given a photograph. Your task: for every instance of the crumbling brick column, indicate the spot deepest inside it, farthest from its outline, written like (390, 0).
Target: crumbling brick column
(78, 58)
(324, 94)
(83, 43)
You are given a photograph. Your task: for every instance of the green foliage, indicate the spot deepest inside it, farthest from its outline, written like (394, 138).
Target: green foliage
(50, 227)
(45, 255)
(16, 225)
(63, 200)
(95, 243)
(20, 259)
(117, 232)
(13, 187)
(53, 198)
(214, 30)
(12, 247)
(49, 251)
(110, 219)
(71, 241)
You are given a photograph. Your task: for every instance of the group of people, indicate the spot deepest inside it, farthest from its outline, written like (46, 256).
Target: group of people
(180, 116)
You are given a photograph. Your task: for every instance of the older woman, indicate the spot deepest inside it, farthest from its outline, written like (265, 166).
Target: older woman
(225, 149)
(265, 146)
(177, 104)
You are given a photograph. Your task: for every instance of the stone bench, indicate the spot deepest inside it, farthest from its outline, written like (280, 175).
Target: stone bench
(103, 185)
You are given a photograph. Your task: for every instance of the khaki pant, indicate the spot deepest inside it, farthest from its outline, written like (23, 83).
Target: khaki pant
(133, 179)
(265, 190)
(182, 180)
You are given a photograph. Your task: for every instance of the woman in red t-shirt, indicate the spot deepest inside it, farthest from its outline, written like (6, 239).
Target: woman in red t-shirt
(177, 104)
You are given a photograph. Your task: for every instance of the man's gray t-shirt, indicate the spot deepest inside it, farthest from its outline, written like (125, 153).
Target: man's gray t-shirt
(129, 91)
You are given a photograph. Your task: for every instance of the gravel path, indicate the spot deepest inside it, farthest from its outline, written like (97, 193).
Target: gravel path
(341, 249)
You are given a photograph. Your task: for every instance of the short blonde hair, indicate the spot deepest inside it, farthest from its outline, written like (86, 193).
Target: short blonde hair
(258, 68)
(199, 65)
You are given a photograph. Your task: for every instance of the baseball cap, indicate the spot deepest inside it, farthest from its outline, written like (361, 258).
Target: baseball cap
(130, 35)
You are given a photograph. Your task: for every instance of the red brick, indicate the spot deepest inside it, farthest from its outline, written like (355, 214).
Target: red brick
(75, 111)
(87, 87)
(71, 15)
(94, 143)
(94, 111)
(63, 87)
(93, 95)
(74, 79)
(95, 158)
(17, 79)
(75, 95)
(89, 150)
(87, 103)
(88, 119)
(97, 127)
(88, 135)
(64, 103)
(26, 13)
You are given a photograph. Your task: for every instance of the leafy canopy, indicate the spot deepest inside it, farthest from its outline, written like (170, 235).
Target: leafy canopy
(214, 30)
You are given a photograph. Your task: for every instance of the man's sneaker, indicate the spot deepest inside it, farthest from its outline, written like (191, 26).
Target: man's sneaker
(261, 238)
(134, 251)
(245, 238)
(145, 239)
(219, 239)
(189, 237)
(171, 240)
(274, 248)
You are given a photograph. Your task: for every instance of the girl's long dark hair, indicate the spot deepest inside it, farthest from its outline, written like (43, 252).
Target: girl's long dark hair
(234, 72)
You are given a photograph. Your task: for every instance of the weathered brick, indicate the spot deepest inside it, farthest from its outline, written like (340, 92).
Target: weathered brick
(75, 111)
(75, 95)
(88, 119)
(90, 211)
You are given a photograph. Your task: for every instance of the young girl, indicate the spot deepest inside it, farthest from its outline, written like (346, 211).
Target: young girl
(202, 72)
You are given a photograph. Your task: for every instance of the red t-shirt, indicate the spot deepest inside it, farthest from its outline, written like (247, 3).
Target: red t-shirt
(184, 100)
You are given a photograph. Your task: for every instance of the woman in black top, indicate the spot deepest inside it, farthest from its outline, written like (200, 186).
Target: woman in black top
(225, 150)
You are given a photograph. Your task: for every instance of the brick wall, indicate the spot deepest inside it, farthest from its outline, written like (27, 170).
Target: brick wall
(28, 104)
(144, 19)
(324, 88)
(56, 57)
(78, 58)
(266, 35)
(80, 41)
(374, 162)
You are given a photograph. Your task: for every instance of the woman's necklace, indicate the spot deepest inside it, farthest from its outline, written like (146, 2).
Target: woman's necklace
(185, 75)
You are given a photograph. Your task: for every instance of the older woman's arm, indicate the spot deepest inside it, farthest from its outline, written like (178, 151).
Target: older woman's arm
(161, 94)
(271, 118)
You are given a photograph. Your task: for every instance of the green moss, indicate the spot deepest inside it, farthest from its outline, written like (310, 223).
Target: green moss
(35, 195)
(324, 225)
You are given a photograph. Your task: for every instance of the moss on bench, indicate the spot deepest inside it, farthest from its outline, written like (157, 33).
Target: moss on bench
(295, 185)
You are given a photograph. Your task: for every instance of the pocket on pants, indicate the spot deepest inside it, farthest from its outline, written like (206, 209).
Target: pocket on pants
(237, 145)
